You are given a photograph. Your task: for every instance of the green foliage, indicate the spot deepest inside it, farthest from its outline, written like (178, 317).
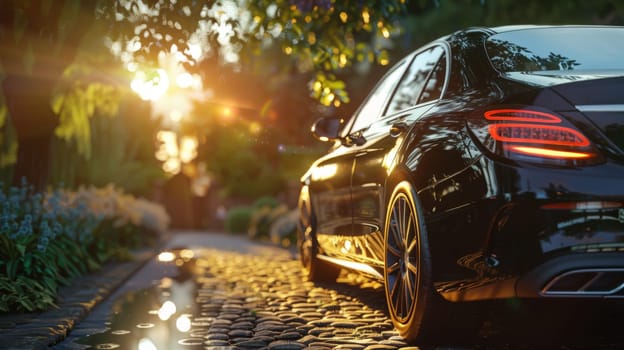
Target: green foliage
(76, 105)
(113, 241)
(41, 35)
(104, 136)
(322, 36)
(326, 88)
(257, 219)
(237, 219)
(270, 219)
(265, 201)
(25, 294)
(8, 143)
(262, 219)
(245, 174)
(45, 240)
(239, 162)
(328, 36)
(40, 248)
(40, 39)
(122, 152)
(252, 166)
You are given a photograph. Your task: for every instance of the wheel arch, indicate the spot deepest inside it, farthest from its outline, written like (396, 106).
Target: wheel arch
(304, 205)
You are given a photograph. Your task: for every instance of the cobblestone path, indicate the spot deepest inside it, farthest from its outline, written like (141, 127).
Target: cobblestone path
(264, 302)
(231, 300)
(250, 301)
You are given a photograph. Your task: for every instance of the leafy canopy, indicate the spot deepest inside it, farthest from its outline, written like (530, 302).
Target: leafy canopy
(322, 36)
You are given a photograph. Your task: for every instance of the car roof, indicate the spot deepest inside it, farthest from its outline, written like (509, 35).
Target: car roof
(515, 27)
(510, 28)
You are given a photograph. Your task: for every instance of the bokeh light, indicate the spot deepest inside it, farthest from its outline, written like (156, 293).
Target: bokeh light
(146, 344)
(183, 323)
(175, 151)
(166, 256)
(167, 310)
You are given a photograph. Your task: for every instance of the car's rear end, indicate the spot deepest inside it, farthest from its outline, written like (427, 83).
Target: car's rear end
(557, 159)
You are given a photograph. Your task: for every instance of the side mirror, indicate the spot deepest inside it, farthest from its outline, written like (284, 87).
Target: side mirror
(327, 129)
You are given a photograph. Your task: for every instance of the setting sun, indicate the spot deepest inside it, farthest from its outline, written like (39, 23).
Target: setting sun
(150, 88)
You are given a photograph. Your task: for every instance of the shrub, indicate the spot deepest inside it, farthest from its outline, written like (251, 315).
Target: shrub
(284, 229)
(45, 240)
(262, 219)
(265, 201)
(39, 248)
(237, 219)
(134, 221)
(240, 163)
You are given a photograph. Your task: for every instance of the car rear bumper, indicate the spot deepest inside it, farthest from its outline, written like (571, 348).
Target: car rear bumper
(576, 275)
(545, 213)
(598, 275)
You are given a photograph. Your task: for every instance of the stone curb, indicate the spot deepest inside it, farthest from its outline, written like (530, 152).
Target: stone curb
(41, 330)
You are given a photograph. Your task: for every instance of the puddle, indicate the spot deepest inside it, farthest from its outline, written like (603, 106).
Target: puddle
(164, 316)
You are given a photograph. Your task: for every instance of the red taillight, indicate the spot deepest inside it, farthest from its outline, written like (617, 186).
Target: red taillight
(549, 153)
(537, 135)
(521, 115)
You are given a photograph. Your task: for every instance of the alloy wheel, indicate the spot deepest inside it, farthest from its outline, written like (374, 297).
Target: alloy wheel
(401, 263)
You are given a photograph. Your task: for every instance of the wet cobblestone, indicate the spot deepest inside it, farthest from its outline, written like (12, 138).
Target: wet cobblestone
(252, 302)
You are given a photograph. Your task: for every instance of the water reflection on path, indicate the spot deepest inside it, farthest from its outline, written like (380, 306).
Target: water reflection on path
(160, 317)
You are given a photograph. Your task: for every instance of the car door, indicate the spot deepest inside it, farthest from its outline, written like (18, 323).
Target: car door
(417, 91)
(330, 180)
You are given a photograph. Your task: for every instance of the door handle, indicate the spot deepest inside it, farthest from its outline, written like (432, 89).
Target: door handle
(398, 128)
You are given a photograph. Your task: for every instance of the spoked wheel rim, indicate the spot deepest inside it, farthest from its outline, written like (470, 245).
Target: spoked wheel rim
(401, 263)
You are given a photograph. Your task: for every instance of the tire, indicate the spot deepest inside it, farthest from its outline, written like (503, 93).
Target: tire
(314, 269)
(417, 311)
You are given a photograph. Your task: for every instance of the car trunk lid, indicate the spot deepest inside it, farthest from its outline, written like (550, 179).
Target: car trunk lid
(602, 102)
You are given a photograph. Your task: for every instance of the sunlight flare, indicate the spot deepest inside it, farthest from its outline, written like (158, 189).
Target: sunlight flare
(150, 87)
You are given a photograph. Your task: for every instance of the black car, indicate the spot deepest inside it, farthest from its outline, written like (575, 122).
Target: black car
(488, 164)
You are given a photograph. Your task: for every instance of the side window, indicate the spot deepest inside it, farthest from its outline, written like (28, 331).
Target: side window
(372, 107)
(413, 83)
(435, 84)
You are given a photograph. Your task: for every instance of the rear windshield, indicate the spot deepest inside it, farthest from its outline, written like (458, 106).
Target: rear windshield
(576, 49)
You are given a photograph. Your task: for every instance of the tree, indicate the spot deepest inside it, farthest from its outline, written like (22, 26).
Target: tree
(38, 40)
